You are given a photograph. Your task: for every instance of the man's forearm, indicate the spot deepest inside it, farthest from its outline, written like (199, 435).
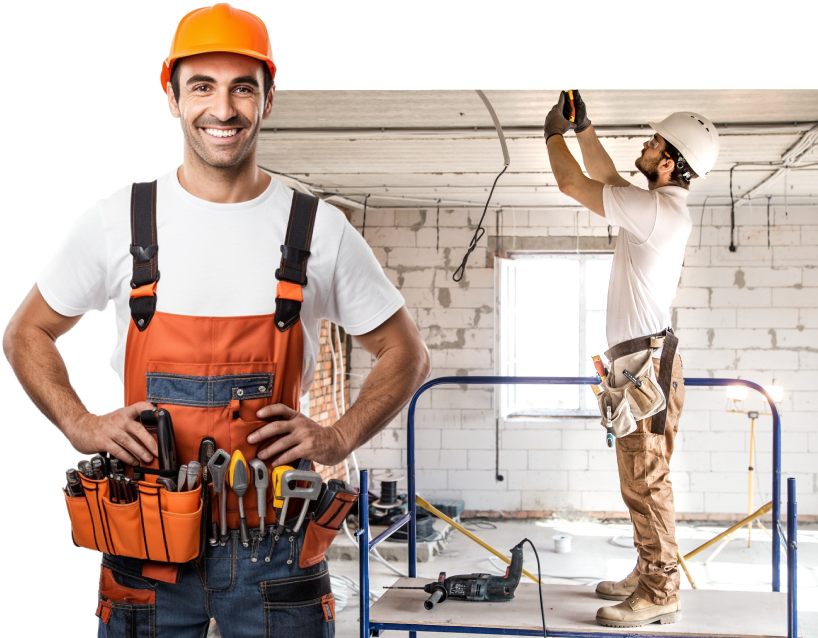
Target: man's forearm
(40, 368)
(397, 375)
(597, 162)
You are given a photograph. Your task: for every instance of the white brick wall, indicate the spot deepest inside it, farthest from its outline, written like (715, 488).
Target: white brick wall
(752, 313)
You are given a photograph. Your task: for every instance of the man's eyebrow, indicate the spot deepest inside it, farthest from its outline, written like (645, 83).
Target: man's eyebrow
(246, 79)
(200, 78)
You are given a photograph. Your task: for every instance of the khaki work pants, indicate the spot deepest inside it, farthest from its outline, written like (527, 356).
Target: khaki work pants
(644, 478)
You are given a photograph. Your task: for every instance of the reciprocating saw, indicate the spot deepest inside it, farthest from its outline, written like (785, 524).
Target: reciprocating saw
(476, 587)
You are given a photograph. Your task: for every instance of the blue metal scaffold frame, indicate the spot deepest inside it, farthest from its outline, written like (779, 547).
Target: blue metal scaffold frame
(368, 629)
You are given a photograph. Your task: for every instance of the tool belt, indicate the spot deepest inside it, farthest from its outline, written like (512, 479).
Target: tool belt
(159, 525)
(172, 527)
(630, 401)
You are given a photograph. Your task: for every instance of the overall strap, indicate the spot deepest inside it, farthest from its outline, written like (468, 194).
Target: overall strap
(292, 272)
(145, 253)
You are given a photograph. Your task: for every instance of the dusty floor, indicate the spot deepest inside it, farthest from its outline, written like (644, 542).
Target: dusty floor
(602, 551)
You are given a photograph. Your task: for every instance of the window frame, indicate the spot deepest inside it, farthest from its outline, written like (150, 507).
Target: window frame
(502, 361)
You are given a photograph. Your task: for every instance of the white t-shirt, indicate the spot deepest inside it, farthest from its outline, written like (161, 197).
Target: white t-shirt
(654, 227)
(219, 260)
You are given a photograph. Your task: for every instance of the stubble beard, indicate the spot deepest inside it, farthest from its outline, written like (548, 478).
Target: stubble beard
(228, 158)
(650, 172)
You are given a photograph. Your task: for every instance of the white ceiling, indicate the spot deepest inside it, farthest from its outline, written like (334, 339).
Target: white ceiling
(410, 148)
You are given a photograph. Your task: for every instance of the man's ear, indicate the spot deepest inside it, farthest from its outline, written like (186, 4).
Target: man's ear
(666, 166)
(173, 105)
(268, 103)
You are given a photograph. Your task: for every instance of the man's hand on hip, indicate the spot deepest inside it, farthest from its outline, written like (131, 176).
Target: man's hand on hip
(297, 437)
(118, 433)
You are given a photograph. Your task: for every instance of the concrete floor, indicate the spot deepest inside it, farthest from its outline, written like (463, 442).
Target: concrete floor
(604, 551)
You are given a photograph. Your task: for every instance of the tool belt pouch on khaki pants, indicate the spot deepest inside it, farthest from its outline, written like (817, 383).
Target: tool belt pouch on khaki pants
(158, 526)
(630, 403)
(324, 527)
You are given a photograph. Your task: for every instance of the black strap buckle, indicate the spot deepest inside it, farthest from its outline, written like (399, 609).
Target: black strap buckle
(144, 254)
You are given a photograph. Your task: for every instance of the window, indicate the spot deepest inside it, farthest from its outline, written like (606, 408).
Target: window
(552, 310)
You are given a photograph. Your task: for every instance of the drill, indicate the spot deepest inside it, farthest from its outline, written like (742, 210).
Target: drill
(476, 587)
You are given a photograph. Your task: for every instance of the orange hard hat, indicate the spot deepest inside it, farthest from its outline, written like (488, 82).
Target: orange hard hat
(219, 28)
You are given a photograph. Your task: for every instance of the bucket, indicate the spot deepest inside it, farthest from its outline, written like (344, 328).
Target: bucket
(562, 543)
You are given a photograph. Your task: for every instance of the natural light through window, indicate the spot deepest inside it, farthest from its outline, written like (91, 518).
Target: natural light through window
(552, 311)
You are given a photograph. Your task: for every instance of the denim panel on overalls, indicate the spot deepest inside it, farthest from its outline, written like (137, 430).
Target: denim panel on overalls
(242, 588)
(207, 392)
(241, 591)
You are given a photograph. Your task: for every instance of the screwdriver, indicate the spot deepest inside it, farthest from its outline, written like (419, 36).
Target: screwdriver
(573, 117)
(261, 480)
(181, 478)
(74, 487)
(239, 479)
(84, 467)
(194, 469)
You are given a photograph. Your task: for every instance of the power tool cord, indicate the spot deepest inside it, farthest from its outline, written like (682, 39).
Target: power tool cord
(539, 584)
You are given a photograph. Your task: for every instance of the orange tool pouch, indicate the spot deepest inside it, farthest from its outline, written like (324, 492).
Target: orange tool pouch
(158, 526)
(328, 517)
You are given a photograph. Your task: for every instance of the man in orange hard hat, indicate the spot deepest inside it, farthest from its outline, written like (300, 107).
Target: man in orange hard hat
(225, 343)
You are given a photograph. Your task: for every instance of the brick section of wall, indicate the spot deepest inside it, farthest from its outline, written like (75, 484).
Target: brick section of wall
(751, 314)
(322, 406)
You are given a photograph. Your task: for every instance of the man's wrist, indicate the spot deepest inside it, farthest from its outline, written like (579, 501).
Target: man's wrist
(73, 426)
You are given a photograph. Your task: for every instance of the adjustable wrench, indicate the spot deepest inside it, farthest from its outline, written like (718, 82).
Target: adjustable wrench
(218, 466)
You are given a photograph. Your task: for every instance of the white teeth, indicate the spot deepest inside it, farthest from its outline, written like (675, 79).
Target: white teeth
(215, 132)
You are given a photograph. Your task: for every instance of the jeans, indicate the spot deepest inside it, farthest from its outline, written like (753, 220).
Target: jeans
(247, 598)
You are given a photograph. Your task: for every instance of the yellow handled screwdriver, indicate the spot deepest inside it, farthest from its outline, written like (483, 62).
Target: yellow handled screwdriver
(573, 117)
(239, 478)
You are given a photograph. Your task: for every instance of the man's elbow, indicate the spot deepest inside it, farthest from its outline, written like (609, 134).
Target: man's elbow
(568, 187)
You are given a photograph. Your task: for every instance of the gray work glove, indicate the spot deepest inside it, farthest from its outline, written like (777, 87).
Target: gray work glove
(555, 122)
(582, 122)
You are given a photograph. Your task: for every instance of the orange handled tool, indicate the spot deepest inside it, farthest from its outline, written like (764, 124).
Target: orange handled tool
(573, 117)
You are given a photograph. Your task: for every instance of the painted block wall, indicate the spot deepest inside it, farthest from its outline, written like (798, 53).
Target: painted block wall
(751, 314)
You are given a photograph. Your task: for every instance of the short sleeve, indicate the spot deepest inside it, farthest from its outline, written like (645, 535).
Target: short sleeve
(75, 280)
(631, 208)
(361, 297)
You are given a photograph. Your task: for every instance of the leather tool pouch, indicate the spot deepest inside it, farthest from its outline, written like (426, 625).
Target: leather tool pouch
(330, 512)
(628, 401)
(158, 526)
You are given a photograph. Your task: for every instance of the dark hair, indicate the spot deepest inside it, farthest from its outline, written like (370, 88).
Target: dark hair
(174, 79)
(682, 173)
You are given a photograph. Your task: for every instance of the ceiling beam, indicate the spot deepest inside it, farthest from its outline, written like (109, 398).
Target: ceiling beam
(475, 132)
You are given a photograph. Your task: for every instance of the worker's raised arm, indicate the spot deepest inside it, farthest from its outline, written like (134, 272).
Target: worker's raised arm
(29, 344)
(597, 162)
(570, 178)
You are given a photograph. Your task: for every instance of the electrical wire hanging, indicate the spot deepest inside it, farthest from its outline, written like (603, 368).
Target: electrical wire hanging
(480, 231)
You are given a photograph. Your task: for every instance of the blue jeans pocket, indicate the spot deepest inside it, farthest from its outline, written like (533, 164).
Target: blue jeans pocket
(299, 606)
(127, 605)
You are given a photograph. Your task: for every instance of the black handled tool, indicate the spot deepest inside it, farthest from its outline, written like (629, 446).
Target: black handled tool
(73, 487)
(217, 467)
(261, 479)
(632, 379)
(164, 436)
(476, 587)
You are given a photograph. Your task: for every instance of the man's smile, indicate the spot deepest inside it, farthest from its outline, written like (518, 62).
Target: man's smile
(226, 134)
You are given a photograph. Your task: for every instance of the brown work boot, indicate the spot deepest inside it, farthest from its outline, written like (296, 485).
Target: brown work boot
(636, 611)
(612, 590)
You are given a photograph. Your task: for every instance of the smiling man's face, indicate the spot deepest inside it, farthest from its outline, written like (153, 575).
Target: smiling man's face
(221, 106)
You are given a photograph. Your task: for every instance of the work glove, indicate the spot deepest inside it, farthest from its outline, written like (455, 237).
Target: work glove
(556, 123)
(582, 122)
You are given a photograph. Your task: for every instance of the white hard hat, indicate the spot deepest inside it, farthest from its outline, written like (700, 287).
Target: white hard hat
(694, 136)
